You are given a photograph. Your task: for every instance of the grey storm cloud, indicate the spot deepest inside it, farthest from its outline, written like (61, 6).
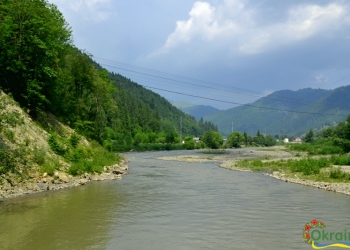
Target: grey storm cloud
(248, 44)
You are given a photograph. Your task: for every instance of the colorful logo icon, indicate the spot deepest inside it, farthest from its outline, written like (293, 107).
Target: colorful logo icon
(314, 232)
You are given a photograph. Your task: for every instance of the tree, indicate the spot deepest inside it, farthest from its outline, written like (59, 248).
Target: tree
(309, 137)
(213, 139)
(235, 139)
(170, 137)
(34, 37)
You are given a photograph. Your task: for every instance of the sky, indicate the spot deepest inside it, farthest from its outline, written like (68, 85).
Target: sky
(217, 52)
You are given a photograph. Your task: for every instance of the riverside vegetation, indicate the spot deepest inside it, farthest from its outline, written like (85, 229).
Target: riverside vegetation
(323, 157)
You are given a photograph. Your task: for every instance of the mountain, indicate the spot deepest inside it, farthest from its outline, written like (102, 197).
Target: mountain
(314, 108)
(154, 109)
(181, 105)
(199, 111)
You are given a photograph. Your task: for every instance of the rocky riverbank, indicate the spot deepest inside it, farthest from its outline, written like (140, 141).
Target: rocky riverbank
(343, 188)
(13, 186)
(231, 156)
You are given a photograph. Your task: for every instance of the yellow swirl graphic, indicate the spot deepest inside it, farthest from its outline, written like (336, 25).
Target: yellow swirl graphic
(335, 244)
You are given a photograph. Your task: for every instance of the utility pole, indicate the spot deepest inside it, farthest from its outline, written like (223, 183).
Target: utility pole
(265, 132)
(180, 129)
(232, 127)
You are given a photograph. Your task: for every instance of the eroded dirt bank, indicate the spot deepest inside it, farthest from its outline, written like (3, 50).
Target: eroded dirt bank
(13, 186)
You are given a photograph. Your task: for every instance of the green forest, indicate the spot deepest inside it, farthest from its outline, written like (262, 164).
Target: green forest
(44, 72)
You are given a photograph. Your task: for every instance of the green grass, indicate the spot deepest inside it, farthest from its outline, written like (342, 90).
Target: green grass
(322, 147)
(47, 168)
(306, 167)
(91, 159)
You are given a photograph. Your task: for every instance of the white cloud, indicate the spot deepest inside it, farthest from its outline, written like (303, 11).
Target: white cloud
(321, 79)
(232, 24)
(94, 10)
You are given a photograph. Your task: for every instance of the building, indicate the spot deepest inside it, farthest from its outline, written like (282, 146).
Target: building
(298, 139)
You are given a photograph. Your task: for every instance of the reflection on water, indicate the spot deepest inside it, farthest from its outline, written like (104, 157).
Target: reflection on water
(171, 205)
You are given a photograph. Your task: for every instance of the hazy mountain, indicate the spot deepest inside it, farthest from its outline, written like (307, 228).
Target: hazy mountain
(181, 104)
(276, 117)
(197, 111)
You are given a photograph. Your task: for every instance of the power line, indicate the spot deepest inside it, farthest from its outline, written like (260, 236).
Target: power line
(179, 81)
(248, 105)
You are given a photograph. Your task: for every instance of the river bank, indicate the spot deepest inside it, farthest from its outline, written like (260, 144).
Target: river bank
(13, 186)
(228, 159)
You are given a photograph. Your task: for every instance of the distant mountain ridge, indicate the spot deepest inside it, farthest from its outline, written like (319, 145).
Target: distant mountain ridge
(197, 111)
(276, 116)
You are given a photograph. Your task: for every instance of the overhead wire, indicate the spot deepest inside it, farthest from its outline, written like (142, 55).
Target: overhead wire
(241, 104)
(213, 88)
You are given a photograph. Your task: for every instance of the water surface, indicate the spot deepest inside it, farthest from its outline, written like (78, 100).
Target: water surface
(172, 205)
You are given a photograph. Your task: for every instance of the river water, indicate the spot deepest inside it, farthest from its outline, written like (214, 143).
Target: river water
(172, 205)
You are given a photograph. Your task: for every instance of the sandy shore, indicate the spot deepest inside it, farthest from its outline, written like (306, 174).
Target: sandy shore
(11, 187)
(232, 156)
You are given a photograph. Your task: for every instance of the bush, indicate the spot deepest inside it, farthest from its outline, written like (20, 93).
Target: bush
(341, 160)
(337, 173)
(55, 146)
(91, 159)
(7, 161)
(47, 168)
(39, 156)
(213, 139)
(74, 140)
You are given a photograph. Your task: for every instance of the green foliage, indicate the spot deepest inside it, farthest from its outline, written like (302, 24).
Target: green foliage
(47, 168)
(170, 137)
(9, 134)
(11, 119)
(309, 137)
(33, 38)
(189, 142)
(341, 160)
(235, 140)
(7, 161)
(56, 146)
(213, 139)
(319, 147)
(39, 155)
(92, 159)
(338, 173)
(74, 140)
(308, 166)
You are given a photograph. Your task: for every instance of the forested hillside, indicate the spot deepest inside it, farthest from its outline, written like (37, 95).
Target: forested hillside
(315, 108)
(45, 73)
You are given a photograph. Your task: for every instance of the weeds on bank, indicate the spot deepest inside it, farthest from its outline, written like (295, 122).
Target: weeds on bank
(83, 159)
(306, 167)
(320, 148)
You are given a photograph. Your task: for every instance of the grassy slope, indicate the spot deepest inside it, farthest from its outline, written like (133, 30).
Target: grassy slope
(25, 153)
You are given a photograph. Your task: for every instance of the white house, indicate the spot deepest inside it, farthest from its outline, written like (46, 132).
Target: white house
(285, 140)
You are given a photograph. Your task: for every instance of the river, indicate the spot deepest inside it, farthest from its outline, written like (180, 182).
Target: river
(172, 205)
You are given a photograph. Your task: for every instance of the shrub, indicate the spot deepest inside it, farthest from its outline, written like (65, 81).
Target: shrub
(55, 146)
(39, 156)
(341, 160)
(7, 162)
(74, 140)
(48, 168)
(338, 173)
